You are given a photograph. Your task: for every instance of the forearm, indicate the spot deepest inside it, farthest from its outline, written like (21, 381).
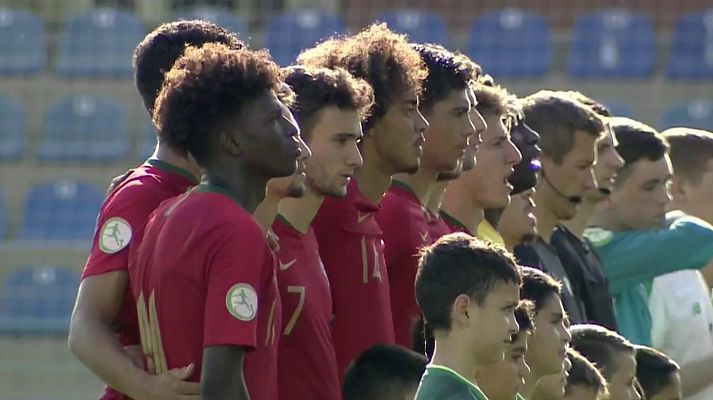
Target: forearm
(112, 364)
(231, 389)
(222, 376)
(696, 376)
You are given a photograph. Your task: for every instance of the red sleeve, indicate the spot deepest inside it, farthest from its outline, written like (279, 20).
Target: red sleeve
(235, 285)
(123, 215)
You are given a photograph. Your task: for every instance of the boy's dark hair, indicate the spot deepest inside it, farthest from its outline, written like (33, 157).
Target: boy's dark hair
(596, 106)
(316, 88)
(654, 370)
(636, 140)
(459, 264)
(538, 286)
(199, 94)
(557, 117)
(378, 55)
(446, 73)
(585, 373)
(691, 150)
(494, 99)
(383, 372)
(160, 49)
(599, 345)
(524, 313)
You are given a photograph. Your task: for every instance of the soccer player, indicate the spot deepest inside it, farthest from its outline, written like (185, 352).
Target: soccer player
(657, 374)
(384, 372)
(349, 238)
(584, 381)
(486, 185)
(568, 132)
(547, 347)
(329, 106)
(202, 274)
(468, 291)
(403, 217)
(504, 380)
(614, 356)
(634, 236)
(105, 306)
(681, 310)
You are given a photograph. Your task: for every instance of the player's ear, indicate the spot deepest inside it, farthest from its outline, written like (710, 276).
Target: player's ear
(229, 139)
(459, 310)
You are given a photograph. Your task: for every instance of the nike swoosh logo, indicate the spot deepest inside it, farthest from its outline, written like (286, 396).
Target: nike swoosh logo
(361, 217)
(284, 266)
(424, 236)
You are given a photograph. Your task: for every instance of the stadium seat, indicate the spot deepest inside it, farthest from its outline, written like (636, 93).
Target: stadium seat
(99, 43)
(61, 210)
(420, 26)
(694, 114)
(692, 47)
(619, 108)
(38, 300)
(511, 43)
(612, 43)
(223, 18)
(23, 48)
(289, 33)
(3, 216)
(13, 135)
(85, 128)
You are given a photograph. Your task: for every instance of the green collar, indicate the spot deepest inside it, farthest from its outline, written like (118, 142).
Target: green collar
(205, 187)
(172, 168)
(451, 220)
(460, 377)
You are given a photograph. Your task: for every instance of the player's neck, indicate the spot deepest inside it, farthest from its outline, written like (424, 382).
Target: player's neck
(603, 217)
(168, 155)
(459, 205)
(300, 212)
(266, 211)
(372, 180)
(246, 188)
(546, 219)
(530, 385)
(580, 221)
(421, 183)
(434, 202)
(450, 354)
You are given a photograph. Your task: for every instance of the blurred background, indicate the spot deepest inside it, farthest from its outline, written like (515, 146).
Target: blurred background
(70, 117)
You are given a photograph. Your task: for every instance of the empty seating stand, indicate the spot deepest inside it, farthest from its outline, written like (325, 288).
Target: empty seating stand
(287, 34)
(23, 48)
(13, 126)
(692, 47)
(420, 26)
(693, 114)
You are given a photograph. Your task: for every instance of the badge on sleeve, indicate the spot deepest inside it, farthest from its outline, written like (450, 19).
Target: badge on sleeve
(241, 301)
(115, 235)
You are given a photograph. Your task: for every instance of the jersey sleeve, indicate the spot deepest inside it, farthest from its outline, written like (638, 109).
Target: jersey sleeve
(633, 257)
(234, 285)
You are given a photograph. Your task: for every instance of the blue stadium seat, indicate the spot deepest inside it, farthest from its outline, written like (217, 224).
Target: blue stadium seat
(12, 128)
(23, 48)
(223, 18)
(511, 43)
(289, 33)
(3, 217)
(85, 128)
(420, 26)
(619, 108)
(692, 47)
(61, 210)
(612, 43)
(99, 43)
(694, 114)
(38, 299)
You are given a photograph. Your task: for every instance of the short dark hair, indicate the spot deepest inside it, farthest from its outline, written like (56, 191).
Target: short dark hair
(199, 94)
(382, 370)
(316, 88)
(585, 373)
(494, 99)
(654, 370)
(636, 140)
(690, 150)
(160, 49)
(524, 312)
(378, 55)
(556, 117)
(538, 286)
(459, 264)
(596, 106)
(446, 73)
(599, 345)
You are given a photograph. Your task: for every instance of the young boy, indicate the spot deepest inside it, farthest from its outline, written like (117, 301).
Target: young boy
(468, 291)
(658, 374)
(612, 354)
(584, 382)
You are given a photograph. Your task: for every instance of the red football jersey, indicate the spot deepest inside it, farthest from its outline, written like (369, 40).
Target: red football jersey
(122, 217)
(437, 227)
(403, 221)
(352, 251)
(307, 366)
(202, 276)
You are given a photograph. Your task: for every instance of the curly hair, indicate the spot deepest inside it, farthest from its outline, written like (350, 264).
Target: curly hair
(378, 55)
(316, 88)
(160, 49)
(205, 89)
(446, 72)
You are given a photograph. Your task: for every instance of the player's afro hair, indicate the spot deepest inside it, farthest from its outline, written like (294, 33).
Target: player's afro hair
(378, 55)
(208, 87)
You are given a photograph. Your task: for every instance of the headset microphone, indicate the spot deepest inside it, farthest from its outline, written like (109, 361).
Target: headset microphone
(571, 199)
